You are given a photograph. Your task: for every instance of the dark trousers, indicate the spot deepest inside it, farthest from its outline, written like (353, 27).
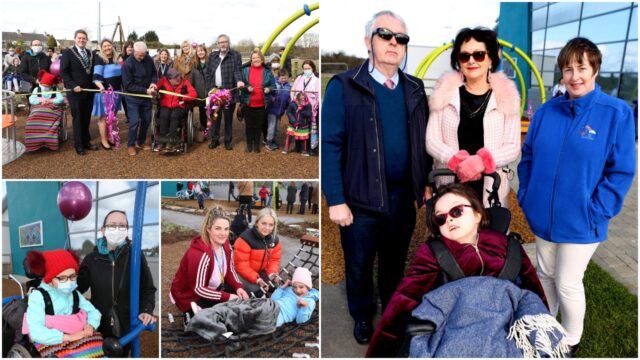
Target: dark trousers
(388, 236)
(246, 199)
(139, 120)
(169, 120)
(203, 115)
(225, 115)
(290, 207)
(81, 105)
(314, 209)
(302, 206)
(253, 117)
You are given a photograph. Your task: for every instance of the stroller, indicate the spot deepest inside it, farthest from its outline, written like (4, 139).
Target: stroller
(424, 338)
(185, 131)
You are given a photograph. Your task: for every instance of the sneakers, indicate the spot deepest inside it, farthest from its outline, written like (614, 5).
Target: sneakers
(306, 153)
(132, 151)
(143, 147)
(195, 308)
(159, 147)
(271, 146)
(284, 152)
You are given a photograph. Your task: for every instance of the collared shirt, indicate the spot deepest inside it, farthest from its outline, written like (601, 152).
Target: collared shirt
(80, 51)
(219, 71)
(381, 78)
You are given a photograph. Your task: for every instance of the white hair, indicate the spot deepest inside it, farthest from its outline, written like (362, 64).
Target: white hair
(224, 36)
(139, 46)
(368, 28)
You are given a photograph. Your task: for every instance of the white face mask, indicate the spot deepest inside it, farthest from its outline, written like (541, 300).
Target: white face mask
(12, 52)
(308, 73)
(275, 66)
(36, 49)
(115, 237)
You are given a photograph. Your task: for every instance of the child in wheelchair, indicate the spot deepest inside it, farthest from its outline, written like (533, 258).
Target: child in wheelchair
(458, 221)
(172, 109)
(59, 320)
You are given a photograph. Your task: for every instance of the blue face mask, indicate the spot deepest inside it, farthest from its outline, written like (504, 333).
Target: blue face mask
(67, 287)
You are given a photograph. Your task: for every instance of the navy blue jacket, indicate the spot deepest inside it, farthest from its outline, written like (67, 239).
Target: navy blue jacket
(353, 169)
(138, 75)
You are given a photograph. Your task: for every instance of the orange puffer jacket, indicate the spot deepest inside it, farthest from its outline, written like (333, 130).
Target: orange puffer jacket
(254, 254)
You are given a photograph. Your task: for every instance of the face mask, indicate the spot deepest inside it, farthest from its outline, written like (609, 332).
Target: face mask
(115, 237)
(308, 73)
(36, 49)
(44, 88)
(11, 52)
(275, 66)
(67, 287)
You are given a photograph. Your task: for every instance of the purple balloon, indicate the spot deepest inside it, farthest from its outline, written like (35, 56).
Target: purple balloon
(194, 44)
(74, 200)
(55, 68)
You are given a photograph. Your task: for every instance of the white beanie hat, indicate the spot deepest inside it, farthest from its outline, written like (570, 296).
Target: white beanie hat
(303, 276)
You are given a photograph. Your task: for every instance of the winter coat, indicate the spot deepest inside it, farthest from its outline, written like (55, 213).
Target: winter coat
(313, 88)
(198, 80)
(168, 65)
(62, 305)
(501, 124)
(304, 192)
(245, 188)
(577, 165)
(184, 63)
(229, 71)
(423, 275)
(184, 88)
(299, 118)
(288, 303)
(291, 193)
(103, 276)
(315, 195)
(279, 100)
(254, 254)
(353, 168)
(191, 281)
(30, 65)
(268, 81)
(263, 193)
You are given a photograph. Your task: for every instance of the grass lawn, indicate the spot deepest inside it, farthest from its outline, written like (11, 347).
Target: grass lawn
(611, 323)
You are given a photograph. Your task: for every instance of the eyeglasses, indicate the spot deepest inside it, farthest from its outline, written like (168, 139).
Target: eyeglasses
(478, 56)
(455, 212)
(386, 34)
(119, 227)
(64, 278)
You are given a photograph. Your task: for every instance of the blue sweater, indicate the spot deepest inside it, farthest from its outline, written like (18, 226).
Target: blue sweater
(288, 302)
(578, 162)
(138, 75)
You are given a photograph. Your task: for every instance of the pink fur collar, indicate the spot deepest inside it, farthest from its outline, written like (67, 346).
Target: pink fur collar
(504, 91)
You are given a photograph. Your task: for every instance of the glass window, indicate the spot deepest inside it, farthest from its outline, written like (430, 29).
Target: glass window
(547, 78)
(539, 19)
(631, 57)
(151, 204)
(150, 239)
(83, 243)
(538, 5)
(629, 87)
(633, 30)
(560, 13)
(88, 223)
(612, 27)
(611, 56)
(537, 40)
(536, 57)
(609, 83)
(550, 59)
(558, 36)
(595, 8)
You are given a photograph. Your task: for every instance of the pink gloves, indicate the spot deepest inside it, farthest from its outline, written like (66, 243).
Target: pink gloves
(470, 168)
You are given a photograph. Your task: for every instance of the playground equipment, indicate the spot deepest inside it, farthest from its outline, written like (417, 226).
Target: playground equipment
(306, 10)
(113, 347)
(430, 58)
(11, 147)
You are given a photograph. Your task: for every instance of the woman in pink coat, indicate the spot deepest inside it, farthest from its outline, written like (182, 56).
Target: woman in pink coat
(474, 122)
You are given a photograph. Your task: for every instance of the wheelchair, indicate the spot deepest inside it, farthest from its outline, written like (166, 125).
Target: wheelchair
(186, 131)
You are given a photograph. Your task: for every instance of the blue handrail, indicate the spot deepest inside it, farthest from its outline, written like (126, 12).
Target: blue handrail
(136, 255)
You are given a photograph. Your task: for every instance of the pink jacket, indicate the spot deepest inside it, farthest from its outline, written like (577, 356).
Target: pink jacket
(68, 324)
(501, 126)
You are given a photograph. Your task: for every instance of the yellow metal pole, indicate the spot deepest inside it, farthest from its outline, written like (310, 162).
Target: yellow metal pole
(296, 37)
(288, 22)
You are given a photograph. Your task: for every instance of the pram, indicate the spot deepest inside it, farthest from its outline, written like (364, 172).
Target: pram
(289, 340)
(500, 218)
(185, 131)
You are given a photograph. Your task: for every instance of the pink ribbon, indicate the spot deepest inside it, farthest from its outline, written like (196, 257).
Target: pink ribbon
(112, 121)
(219, 98)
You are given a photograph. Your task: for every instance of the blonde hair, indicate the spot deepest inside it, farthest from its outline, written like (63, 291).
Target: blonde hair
(257, 51)
(114, 55)
(213, 213)
(269, 212)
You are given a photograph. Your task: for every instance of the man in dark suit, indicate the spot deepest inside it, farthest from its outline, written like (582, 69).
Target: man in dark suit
(76, 70)
(223, 72)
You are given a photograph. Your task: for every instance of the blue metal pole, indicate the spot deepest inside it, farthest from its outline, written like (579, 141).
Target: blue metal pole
(136, 255)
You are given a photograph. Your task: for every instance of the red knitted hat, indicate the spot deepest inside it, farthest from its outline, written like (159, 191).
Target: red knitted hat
(46, 78)
(51, 263)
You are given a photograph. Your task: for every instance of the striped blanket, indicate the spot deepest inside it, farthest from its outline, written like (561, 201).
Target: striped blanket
(88, 347)
(42, 126)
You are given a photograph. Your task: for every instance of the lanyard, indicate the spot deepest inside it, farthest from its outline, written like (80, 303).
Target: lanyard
(219, 263)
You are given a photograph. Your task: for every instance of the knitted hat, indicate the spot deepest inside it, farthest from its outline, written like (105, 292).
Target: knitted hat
(303, 276)
(46, 78)
(51, 263)
(172, 73)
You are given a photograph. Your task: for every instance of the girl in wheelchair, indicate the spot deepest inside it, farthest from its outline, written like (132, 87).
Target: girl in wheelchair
(172, 108)
(59, 320)
(459, 221)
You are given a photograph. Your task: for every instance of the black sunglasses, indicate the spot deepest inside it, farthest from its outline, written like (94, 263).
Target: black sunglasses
(477, 56)
(386, 34)
(455, 212)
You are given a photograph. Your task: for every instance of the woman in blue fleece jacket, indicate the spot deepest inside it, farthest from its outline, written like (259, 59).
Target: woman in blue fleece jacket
(578, 162)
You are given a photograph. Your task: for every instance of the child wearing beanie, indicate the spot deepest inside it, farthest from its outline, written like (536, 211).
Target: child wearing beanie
(65, 333)
(297, 301)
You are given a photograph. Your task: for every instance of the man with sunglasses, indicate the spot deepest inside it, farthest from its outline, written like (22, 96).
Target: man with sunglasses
(374, 165)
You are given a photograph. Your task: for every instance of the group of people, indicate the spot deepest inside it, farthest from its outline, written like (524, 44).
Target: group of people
(181, 84)
(577, 164)
(60, 321)
(213, 271)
